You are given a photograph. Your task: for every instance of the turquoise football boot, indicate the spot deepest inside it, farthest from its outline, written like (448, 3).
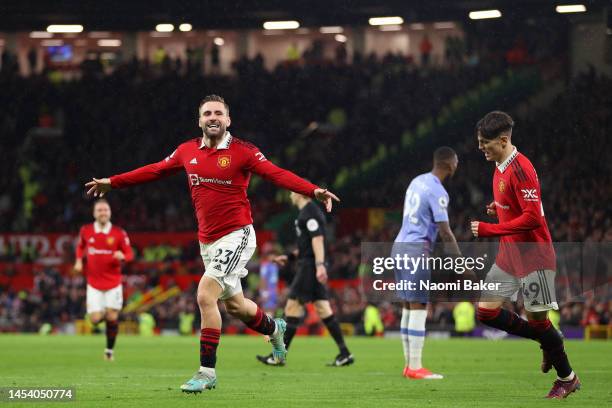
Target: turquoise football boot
(198, 383)
(279, 352)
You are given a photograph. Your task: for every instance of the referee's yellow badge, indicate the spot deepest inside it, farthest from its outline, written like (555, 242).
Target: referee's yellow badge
(224, 161)
(502, 186)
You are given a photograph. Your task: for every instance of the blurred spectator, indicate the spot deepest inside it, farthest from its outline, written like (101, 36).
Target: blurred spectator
(372, 322)
(464, 315)
(425, 47)
(146, 324)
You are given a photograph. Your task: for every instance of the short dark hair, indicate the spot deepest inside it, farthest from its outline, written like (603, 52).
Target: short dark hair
(213, 98)
(494, 124)
(444, 153)
(101, 200)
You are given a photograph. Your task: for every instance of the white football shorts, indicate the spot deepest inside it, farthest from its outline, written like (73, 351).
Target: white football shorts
(537, 288)
(225, 259)
(100, 300)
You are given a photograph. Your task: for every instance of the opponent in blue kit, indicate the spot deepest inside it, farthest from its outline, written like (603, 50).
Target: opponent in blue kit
(425, 214)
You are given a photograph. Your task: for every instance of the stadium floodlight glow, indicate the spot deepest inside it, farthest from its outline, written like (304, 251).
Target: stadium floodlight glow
(394, 27)
(219, 41)
(164, 28)
(185, 27)
(417, 26)
(99, 34)
(281, 25)
(484, 14)
(331, 30)
(571, 8)
(65, 28)
(379, 21)
(340, 38)
(41, 34)
(109, 42)
(444, 25)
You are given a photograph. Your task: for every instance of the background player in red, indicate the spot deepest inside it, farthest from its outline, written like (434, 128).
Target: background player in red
(526, 258)
(105, 247)
(219, 167)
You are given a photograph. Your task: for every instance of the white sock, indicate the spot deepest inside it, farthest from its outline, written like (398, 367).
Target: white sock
(207, 371)
(404, 330)
(416, 337)
(108, 350)
(568, 378)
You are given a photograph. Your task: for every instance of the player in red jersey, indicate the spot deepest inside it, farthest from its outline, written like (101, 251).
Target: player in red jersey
(526, 259)
(106, 247)
(219, 167)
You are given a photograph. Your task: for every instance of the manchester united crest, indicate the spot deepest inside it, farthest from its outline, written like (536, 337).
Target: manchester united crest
(501, 186)
(110, 240)
(224, 161)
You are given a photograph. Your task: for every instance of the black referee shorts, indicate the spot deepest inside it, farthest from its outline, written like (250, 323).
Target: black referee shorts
(305, 286)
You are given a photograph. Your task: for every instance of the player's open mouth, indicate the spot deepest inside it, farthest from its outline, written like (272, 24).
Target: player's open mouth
(212, 126)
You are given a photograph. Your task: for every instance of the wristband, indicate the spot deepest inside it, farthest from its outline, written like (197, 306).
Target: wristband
(320, 263)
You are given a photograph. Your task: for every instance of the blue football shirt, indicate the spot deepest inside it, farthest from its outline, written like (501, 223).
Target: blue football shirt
(426, 204)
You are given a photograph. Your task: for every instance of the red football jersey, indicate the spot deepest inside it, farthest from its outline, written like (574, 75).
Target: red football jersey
(98, 245)
(516, 190)
(218, 179)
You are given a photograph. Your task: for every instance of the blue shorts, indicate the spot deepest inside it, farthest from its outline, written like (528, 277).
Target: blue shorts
(412, 278)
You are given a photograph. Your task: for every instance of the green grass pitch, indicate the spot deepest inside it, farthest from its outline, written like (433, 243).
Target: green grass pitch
(148, 372)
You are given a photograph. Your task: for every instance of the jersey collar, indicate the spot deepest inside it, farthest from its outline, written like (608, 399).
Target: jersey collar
(223, 145)
(503, 166)
(98, 229)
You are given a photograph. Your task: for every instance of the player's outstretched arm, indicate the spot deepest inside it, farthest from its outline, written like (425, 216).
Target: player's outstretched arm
(98, 187)
(326, 197)
(258, 164)
(151, 172)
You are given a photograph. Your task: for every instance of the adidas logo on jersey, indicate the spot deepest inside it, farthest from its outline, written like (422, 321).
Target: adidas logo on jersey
(217, 267)
(193, 161)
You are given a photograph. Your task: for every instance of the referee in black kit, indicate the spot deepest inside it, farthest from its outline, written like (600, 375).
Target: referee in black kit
(309, 282)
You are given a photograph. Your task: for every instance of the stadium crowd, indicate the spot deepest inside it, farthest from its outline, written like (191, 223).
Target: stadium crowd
(319, 117)
(74, 130)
